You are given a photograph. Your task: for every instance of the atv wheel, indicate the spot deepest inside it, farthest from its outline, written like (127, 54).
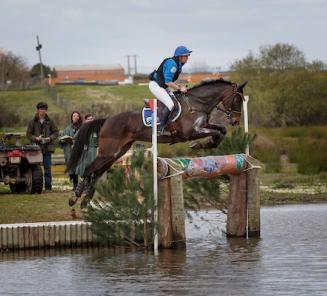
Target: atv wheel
(34, 177)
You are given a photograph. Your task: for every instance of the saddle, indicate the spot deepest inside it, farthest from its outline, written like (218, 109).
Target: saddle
(149, 107)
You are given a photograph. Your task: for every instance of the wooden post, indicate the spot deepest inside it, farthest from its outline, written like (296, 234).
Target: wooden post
(253, 202)
(165, 226)
(178, 212)
(171, 213)
(237, 213)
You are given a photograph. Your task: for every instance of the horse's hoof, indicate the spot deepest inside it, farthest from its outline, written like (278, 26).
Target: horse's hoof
(84, 203)
(223, 130)
(89, 193)
(195, 145)
(72, 201)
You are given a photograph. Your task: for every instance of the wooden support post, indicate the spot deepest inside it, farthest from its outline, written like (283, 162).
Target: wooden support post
(172, 214)
(178, 212)
(164, 206)
(253, 202)
(237, 212)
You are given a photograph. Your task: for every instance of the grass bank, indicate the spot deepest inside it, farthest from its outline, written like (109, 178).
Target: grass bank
(18, 107)
(22, 208)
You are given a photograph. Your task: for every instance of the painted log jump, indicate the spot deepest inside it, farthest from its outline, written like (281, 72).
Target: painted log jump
(243, 218)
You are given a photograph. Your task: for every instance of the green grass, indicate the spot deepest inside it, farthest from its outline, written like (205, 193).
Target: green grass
(305, 146)
(18, 107)
(23, 208)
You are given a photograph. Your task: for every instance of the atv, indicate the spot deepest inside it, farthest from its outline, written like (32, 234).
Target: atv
(20, 165)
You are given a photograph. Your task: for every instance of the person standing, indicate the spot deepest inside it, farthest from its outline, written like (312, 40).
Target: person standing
(162, 81)
(43, 131)
(66, 141)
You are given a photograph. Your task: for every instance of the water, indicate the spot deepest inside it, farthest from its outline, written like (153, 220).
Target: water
(289, 259)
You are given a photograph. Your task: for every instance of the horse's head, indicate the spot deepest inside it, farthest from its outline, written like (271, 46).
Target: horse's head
(233, 104)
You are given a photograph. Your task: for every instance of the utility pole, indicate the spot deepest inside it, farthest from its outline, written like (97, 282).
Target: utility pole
(135, 66)
(38, 48)
(128, 65)
(3, 60)
(129, 68)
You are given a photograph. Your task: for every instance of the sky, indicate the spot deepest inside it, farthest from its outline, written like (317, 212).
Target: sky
(84, 32)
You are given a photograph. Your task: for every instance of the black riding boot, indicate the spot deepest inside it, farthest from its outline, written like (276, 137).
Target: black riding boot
(164, 118)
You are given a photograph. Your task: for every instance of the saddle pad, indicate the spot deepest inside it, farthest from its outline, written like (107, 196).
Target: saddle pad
(147, 116)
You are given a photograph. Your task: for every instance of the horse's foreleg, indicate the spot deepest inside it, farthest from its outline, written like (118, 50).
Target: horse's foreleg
(210, 143)
(217, 133)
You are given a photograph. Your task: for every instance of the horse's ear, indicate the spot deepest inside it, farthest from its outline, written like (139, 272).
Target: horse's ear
(240, 88)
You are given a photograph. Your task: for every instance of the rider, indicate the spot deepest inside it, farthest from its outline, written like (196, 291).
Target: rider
(162, 81)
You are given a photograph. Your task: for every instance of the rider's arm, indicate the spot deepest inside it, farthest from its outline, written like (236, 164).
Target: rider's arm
(173, 85)
(176, 86)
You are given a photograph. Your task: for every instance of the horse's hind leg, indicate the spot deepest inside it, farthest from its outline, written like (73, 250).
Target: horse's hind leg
(89, 176)
(97, 168)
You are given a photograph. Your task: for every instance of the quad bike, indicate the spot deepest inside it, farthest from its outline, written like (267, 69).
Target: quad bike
(20, 165)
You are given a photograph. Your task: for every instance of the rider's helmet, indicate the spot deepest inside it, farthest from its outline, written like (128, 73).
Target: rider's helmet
(182, 51)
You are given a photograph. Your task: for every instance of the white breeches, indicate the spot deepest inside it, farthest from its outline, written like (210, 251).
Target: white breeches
(161, 94)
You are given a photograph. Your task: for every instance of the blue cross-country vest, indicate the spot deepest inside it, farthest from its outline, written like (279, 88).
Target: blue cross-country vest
(159, 77)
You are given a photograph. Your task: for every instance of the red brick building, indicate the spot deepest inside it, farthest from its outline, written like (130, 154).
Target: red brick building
(89, 73)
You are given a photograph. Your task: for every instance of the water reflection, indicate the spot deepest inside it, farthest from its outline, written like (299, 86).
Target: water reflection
(289, 259)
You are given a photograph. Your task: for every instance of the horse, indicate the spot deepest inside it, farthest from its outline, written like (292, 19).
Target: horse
(119, 132)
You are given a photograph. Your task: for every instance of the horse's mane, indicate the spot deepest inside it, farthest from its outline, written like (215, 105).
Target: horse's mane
(208, 82)
(212, 81)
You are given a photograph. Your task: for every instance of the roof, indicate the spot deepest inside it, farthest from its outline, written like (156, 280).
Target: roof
(88, 67)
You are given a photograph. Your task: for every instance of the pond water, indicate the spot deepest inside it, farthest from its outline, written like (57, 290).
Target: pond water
(289, 259)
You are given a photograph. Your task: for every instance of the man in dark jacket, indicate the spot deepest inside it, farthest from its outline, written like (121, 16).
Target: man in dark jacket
(43, 131)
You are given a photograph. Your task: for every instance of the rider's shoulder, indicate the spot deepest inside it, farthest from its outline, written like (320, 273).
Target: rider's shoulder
(170, 64)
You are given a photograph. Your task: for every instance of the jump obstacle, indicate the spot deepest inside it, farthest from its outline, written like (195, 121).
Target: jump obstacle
(243, 211)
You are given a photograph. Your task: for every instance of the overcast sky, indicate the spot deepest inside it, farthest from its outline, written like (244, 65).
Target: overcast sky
(75, 32)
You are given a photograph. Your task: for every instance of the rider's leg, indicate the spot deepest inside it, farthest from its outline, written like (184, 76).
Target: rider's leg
(161, 94)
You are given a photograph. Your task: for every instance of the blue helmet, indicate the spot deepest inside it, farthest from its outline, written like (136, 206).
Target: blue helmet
(182, 51)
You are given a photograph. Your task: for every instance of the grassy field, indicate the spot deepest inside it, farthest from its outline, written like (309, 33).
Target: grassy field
(20, 208)
(18, 107)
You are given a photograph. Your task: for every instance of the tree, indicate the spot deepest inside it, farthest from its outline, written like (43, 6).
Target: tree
(317, 66)
(13, 68)
(281, 56)
(285, 90)
(36, 71)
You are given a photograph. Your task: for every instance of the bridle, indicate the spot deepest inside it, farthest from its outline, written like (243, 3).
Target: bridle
(230, 111)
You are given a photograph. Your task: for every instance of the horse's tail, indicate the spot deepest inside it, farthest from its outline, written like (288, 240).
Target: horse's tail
(82, 140)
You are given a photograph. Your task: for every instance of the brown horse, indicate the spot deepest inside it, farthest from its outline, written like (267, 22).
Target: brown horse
(118, 133)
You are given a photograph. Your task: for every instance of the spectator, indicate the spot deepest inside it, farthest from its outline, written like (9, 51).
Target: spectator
(66, 141)
(90, 151)
(43, 131)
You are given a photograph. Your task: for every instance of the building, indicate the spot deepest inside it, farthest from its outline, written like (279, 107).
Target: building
(197, 77)
(101, 73)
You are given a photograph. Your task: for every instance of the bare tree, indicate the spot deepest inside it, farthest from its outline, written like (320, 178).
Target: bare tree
(13, 68)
